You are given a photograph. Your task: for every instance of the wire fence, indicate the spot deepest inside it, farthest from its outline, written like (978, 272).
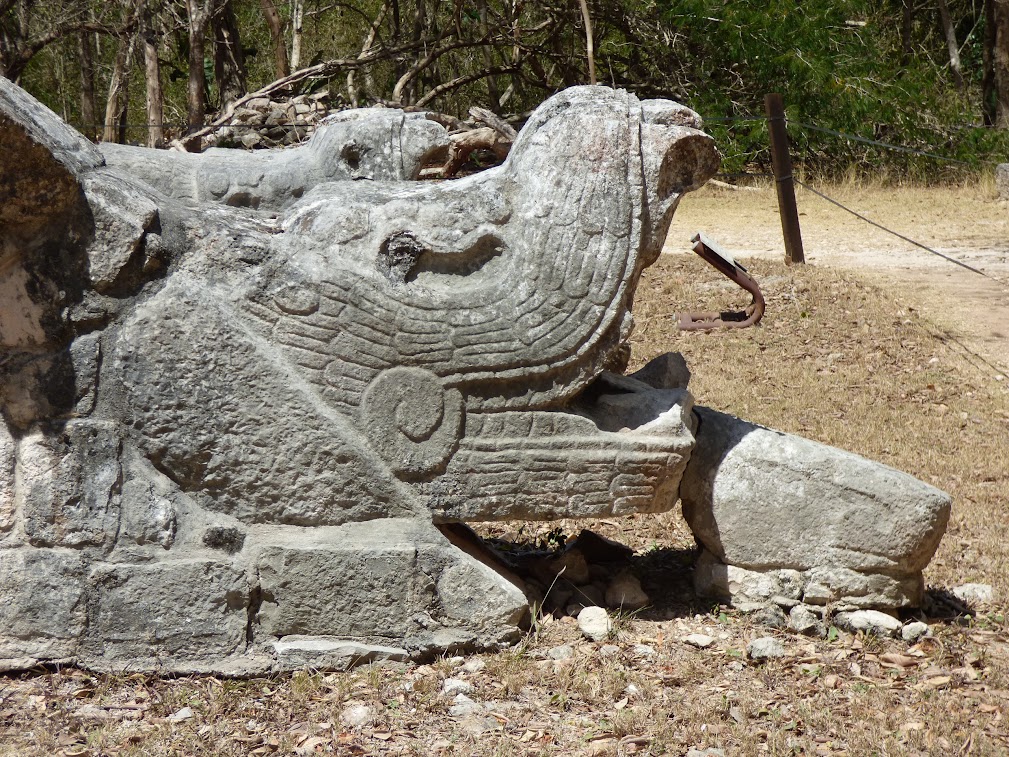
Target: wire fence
(873, 143)
(971, 355)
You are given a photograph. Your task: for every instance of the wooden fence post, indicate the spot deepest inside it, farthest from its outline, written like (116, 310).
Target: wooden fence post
(781, 161)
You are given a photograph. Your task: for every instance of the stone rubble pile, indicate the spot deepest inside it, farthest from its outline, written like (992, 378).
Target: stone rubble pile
(262, 123)
(591, 571)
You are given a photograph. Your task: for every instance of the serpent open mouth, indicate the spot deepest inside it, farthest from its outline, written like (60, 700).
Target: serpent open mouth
(621, 447)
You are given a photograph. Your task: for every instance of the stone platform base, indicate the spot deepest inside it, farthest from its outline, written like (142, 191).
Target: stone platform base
(256, 600)
(822, 585)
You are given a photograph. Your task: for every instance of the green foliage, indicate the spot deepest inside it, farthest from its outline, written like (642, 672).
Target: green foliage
(842, 65)
(839, 65)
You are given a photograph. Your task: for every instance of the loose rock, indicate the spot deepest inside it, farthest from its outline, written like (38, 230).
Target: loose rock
(625, 592)
(980, 594)
(357, 716)
(770, 616)
(462, 706)
(699, 640)
(454, 686)
(177, 717)
(911, 632)
(803, 620)
(765, 648)
(563, 652)
(595, 623)
(868, 621)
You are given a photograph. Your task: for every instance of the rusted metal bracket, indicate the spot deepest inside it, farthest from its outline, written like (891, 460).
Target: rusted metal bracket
(723, 262)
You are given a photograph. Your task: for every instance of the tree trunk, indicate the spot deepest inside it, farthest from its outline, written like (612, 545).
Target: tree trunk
(1000, 63)
(89, 103)
(196, 90)
(229, 61)
(369, 42)
(124, 112)
(905, 32)
(954, 50)
(493, 92)
(590, 49)
(276, 25)
(155, 98)
(116, 103)
(988, 97)
(297, 17)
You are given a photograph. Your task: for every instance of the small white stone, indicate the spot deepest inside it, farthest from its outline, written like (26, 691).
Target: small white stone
(474, 666)
(453, 686)
(914, 630)
(563, 652)
(632, 690)
(643, 650)
(765, 648)
(699, 640)
(357, 716)
(184, 714)
(868, 621)
(595, 623)
(462, 705)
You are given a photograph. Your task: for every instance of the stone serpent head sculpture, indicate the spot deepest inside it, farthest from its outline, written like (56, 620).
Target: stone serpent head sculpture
(237, 394)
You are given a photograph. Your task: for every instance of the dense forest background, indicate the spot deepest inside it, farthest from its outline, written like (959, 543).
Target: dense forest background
(928, 75)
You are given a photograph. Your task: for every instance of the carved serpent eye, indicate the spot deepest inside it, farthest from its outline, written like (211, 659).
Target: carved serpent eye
(403, 258)
(412, 420)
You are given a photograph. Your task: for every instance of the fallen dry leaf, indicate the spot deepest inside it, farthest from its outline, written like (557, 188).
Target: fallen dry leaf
(894, 660)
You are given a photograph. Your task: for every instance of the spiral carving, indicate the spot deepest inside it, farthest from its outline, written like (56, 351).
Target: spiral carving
(412, 420)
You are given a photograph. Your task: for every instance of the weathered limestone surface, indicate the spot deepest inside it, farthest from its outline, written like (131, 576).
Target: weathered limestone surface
(782, 516)
(378, 144)
(1002, 180)
(238, 391)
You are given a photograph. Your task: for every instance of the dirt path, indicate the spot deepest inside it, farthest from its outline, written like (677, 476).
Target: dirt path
(967, 224)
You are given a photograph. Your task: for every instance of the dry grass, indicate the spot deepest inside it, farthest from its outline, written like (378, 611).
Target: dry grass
(836, 360)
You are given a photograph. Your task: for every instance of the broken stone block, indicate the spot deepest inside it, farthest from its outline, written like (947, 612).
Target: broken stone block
(380, 581)
(122, 215)
(68, 482)
(8, 459)
(43, 610)
(329, 653)
(175, 616)
(763, 501)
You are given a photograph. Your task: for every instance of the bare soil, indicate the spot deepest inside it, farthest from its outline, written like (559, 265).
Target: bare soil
(967, 224)
(873, 347)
